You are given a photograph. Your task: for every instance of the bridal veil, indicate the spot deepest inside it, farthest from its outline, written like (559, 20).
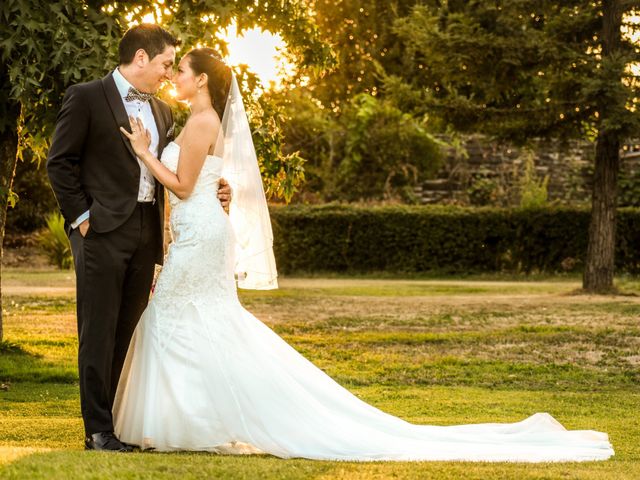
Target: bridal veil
(248, 211)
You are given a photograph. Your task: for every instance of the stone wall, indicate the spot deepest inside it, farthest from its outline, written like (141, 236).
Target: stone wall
(494, 170)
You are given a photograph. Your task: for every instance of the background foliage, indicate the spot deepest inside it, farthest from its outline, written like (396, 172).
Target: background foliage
(442, 239)
(516, 69)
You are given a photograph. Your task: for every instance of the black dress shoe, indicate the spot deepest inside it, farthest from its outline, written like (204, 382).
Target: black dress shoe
(107, 442)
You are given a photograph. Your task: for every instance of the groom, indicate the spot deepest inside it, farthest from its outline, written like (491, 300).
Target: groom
(113, 211)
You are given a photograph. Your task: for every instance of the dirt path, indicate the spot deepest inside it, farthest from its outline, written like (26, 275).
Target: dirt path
(533, 293)
(26, 290)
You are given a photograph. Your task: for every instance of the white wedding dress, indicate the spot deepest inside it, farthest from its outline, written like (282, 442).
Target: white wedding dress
(202, 373)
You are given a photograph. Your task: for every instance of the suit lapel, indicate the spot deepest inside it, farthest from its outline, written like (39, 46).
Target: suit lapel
(118, 110)
(162, 142)
(160, 125)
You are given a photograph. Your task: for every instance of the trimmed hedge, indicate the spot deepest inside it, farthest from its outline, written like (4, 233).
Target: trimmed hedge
(443, 239)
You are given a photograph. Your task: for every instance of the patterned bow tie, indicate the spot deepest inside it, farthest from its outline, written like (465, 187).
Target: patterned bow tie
(135, 94)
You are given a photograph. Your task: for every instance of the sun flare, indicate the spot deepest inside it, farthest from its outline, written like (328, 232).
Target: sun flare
(632, 32)
(261, 50)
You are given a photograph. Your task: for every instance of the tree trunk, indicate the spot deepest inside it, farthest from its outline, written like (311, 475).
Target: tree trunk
(599, 268)
(600, 262)
(8, 160)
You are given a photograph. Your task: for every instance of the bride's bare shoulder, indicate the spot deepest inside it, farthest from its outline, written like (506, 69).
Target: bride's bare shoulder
(207, 121)
(207, 118)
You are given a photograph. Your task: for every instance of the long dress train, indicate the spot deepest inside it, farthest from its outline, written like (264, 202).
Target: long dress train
(202, 373)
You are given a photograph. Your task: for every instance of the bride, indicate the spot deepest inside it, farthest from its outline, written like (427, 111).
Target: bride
(202, 373)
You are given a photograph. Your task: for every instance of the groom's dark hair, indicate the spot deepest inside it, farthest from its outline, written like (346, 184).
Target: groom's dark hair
(152, 38)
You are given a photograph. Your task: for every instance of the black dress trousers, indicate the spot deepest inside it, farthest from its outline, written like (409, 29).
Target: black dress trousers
(114, 271)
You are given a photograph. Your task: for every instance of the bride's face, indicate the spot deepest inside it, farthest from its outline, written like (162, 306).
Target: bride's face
(186, 81)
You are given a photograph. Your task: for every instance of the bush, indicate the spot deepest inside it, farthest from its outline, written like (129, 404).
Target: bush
(533, 191)
(385, 150)
(366, 149)
(484, 190)
(407, 239)
(313, 132)
(35, 198)
(54, 242)
(629, 188)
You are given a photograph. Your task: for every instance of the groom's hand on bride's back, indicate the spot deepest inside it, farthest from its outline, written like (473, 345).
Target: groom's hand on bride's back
(224, 194)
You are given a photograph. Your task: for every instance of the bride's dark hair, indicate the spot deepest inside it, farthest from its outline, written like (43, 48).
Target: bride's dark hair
(207, 60)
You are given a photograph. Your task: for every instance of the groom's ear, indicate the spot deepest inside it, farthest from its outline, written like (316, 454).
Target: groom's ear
(141, 58)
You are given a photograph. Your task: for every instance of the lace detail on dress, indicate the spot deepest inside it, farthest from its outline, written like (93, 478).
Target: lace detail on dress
(198, 268)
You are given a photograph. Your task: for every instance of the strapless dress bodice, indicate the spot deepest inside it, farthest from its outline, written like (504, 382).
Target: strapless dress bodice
(207, 181)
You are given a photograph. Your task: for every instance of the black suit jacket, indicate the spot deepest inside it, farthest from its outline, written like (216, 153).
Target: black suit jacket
(91, 164)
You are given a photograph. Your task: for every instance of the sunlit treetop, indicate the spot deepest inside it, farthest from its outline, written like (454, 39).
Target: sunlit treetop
(260, 50)
(46, 48)
(361, 34)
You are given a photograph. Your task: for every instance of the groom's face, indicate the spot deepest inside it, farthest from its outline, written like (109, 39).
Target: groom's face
(159, 69)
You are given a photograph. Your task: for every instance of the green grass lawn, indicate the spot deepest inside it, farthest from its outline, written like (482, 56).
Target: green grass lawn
(484, 349)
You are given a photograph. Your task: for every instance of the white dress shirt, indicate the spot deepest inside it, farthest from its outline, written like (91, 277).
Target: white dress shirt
(142, 110)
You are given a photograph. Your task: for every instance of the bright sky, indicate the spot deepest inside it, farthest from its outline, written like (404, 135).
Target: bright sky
(260, 50)
(635, 38)
(257, 48)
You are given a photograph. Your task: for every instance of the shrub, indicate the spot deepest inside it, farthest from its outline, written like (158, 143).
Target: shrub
(365, 149)
(54, 242)
(407, 239)
(629, 188)
(533, 191)
(313, 132)
(484, 190)
(385, 150)
(36, 198)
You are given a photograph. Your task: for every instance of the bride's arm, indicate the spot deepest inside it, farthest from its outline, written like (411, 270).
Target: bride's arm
(193, 151)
